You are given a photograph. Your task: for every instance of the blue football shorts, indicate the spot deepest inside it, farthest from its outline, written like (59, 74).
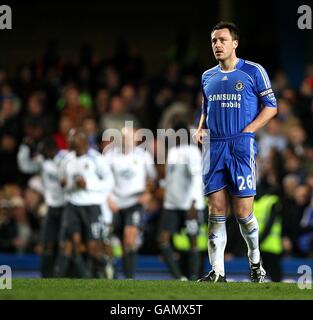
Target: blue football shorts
(231, 164)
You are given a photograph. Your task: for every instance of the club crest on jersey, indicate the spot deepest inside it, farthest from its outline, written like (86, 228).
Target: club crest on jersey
(239, 86)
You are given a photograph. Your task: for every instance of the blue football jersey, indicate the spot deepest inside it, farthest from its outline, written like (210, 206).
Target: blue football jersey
(233, 99)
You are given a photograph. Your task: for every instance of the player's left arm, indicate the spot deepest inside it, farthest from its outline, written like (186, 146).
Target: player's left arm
(267, 98)
(261, 120)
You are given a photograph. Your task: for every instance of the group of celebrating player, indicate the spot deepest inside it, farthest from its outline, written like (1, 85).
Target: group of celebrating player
(90, 194)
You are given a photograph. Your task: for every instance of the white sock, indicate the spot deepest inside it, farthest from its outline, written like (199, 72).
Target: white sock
(217, 239)
(249, 229)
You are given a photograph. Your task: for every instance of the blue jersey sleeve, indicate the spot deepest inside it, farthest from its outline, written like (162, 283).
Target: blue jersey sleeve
(263, 88)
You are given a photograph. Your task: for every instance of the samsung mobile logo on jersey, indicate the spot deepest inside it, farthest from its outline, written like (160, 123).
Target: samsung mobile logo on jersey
(225, 97)
(5, 17)
(229, 100)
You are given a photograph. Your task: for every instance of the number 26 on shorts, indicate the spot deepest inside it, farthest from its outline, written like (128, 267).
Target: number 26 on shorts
(245, 182)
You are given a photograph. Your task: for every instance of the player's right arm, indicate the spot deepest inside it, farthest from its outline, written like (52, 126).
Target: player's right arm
(26, 163)
(112, 203)
(198, 135)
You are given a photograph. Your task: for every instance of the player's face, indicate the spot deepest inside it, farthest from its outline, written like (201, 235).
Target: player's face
(77, 142)
(223, 44)
(81, 144)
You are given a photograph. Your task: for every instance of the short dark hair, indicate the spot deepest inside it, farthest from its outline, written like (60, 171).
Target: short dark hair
(233, 29)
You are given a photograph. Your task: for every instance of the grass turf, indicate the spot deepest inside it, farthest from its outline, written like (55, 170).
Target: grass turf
(149, 290)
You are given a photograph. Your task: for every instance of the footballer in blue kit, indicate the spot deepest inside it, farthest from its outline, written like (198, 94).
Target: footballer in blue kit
(237, 101)
(231, 101)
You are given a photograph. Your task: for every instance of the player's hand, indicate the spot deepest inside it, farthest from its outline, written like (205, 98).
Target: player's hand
(198, 135)
(63, 182)
(112, 205)
(150, 186)
(28, 141)
(144, 199)
(248, 130)
(192, 212)
(80, 182)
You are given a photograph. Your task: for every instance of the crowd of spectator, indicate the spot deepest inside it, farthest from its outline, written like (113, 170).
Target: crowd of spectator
(50, 95)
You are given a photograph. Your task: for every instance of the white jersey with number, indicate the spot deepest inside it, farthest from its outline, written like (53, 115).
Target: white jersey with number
(130, 171)
(97, 175)
(183, 180)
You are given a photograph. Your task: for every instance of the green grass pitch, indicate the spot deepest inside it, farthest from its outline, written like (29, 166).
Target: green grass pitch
(149, 290)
